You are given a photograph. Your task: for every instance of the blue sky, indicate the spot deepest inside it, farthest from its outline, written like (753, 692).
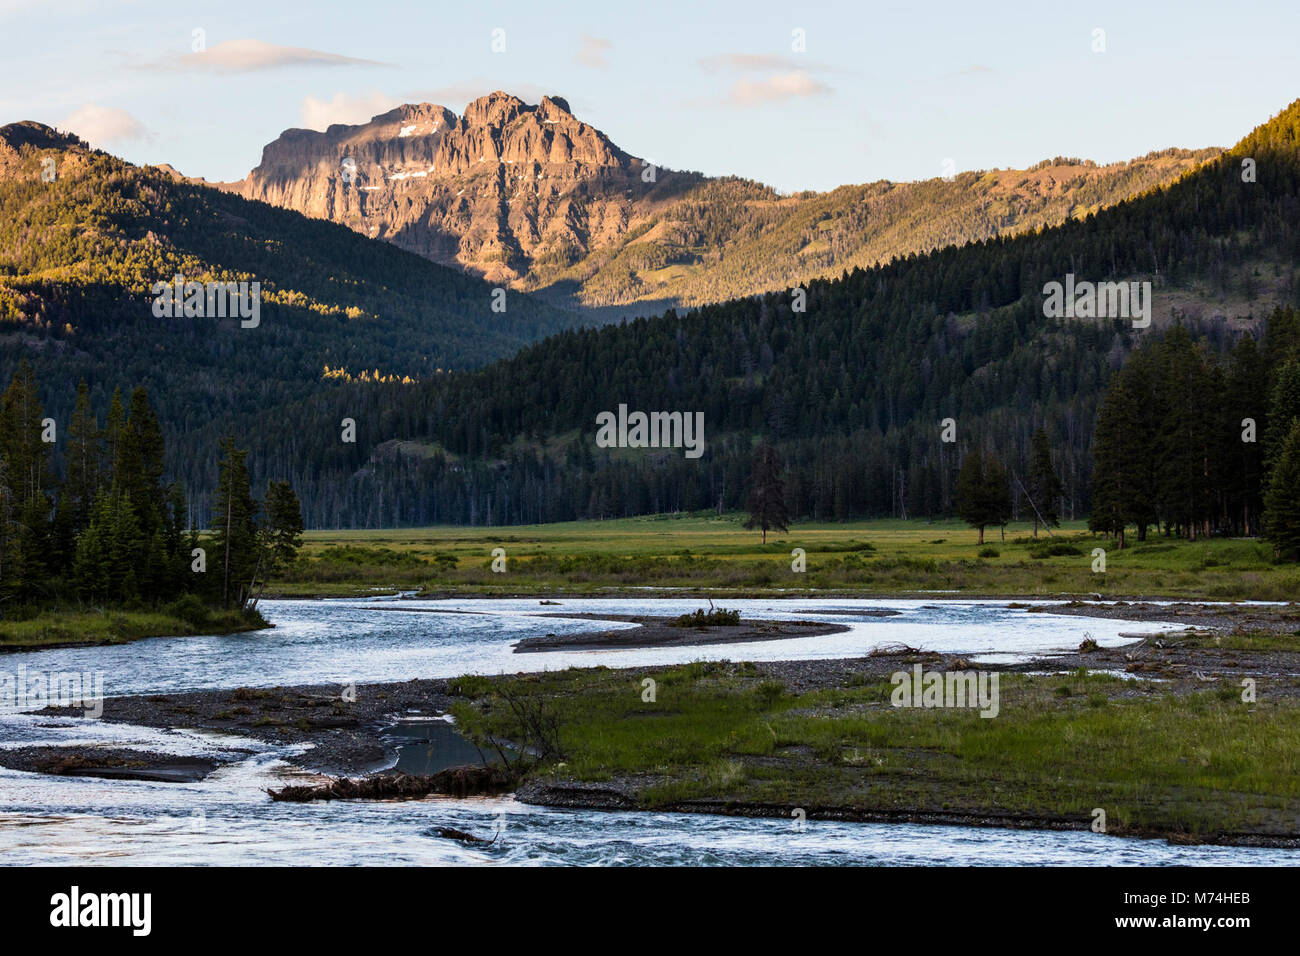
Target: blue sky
(881, 90)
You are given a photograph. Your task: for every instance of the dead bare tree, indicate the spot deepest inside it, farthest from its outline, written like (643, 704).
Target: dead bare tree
(538, 725)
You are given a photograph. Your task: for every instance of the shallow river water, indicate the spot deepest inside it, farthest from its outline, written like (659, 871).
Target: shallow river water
(228, 819)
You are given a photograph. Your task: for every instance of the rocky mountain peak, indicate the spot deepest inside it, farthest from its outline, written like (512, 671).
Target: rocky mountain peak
(490, 191)
(495, 109)
(552, 106)
(18, 141)
(408, 133)
(38, 136)
(501, 128)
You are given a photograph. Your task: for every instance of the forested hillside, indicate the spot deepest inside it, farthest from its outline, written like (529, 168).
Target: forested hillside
(84, 237)
(850, 379)
(731, 237)
(852, 391)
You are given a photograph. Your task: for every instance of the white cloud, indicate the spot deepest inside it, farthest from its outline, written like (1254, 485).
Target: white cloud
(99, 125)
(344, 108)
(747, 61)
(591, 52)
(781, 86)
(772, 76)
(760, 62)
(248, 56)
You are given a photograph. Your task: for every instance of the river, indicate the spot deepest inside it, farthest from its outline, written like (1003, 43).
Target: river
(228, 819)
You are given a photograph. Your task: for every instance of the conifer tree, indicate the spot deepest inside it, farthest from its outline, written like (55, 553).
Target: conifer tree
(177, 545)
(8, 531)
(92, 566)
(109, 551)
(21, 443)
(63, 536)
(1183, 441)
(766, 502)
(84, 456)
(1044, 486)
(1125, 480)
(1284, 405)
(138, 477)
(1139, 449)
(997, 490)
(127, 548)
(283, 530)
(113, 428)
(1282, 501)
(27, 534)
(234, 527)
(983, 497)
(1242, 460)
(143, 443)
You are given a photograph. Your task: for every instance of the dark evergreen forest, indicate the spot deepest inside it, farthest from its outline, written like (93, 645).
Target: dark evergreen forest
(851, 391)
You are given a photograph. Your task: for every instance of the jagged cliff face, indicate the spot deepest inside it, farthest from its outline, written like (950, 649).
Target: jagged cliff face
(532, 197)
(493, 191)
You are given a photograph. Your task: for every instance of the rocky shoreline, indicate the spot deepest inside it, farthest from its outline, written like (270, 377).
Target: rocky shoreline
(1272, 619)
(655, 631)
(616, 797)
(335, 735)
(109, 763)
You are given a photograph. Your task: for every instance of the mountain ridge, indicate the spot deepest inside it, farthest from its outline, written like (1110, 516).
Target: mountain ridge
(852, 388)
(857, 380)
(86, 239)
(412, 167)
(536, 199)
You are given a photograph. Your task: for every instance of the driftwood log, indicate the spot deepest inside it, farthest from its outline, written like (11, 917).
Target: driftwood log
(451, 833)
(454, 782)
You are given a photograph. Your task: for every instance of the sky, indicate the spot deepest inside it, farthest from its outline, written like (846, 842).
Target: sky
(797, 95)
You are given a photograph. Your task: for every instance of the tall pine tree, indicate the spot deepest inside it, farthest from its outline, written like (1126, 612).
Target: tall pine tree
(1044, 486)
(234, 528)
(766, 503)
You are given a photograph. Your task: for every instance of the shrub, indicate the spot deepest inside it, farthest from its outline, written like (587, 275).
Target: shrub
(768, 693)
(1054, 549)
(720, 617)
(857, 546)
(188, 608)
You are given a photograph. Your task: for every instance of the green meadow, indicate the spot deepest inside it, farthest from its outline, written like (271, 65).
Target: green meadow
(1192, 764)
(54, 627)
(715, 554)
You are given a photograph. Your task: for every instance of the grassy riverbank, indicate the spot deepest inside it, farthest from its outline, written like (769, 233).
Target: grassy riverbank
(63, 628)
(1189, 761)
(716, 553)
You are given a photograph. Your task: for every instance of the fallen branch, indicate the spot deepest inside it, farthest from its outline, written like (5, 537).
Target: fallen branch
(451, 833)
(454, 782)
(896, 649)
